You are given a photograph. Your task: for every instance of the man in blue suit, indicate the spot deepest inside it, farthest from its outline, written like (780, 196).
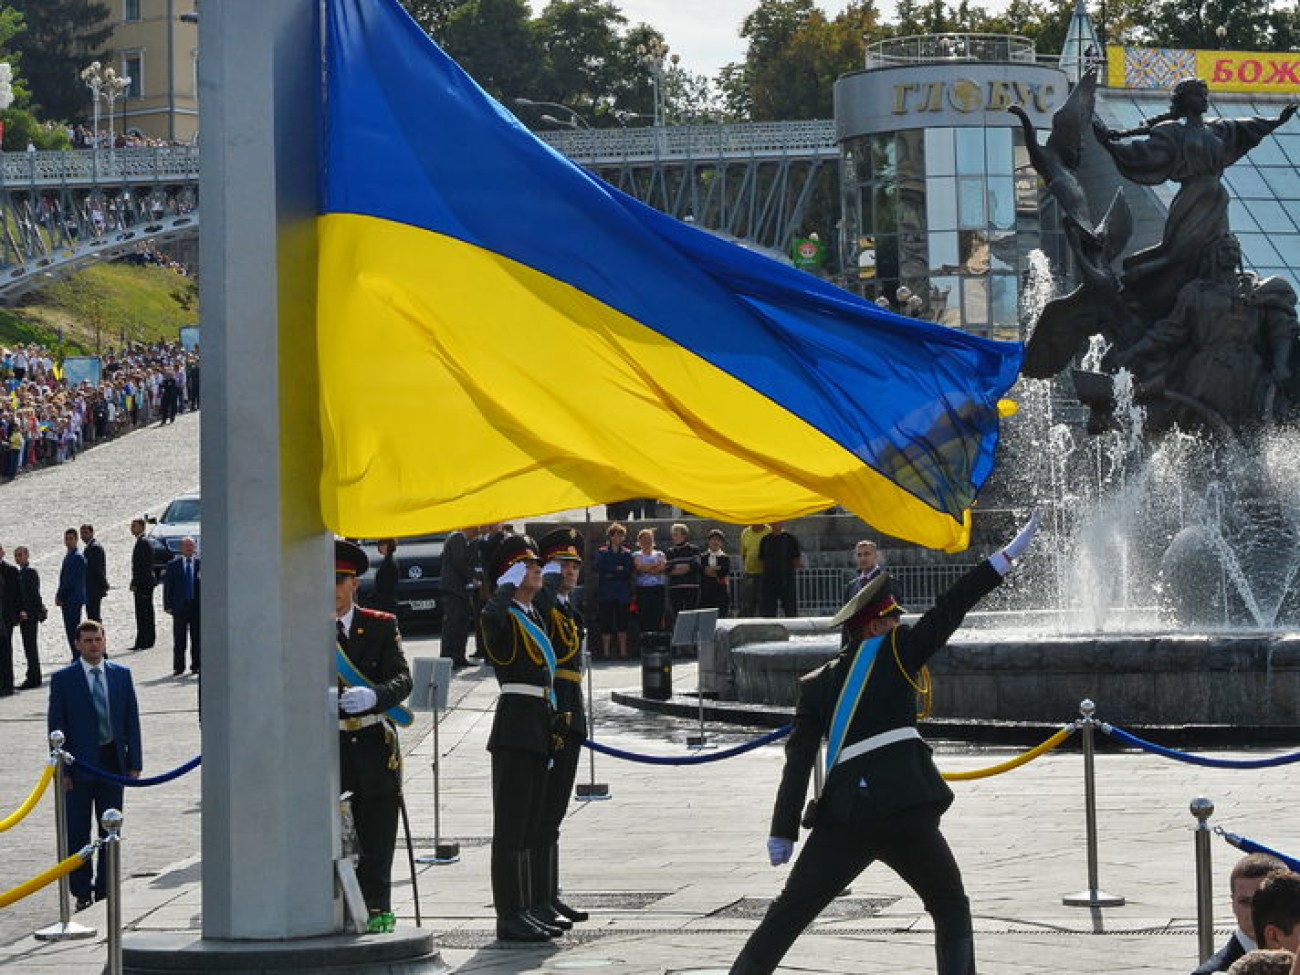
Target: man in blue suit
(182, 593)
(92, 701)
(71, 594)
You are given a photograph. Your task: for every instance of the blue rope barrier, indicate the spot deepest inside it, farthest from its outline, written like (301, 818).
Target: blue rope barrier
(175, 773)
(748, 746)
(1178, 756)
(1247, 845)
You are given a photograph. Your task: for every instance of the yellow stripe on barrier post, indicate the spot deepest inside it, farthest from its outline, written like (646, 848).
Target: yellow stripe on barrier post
(1021, 759)
(16, 817)
(61, 869)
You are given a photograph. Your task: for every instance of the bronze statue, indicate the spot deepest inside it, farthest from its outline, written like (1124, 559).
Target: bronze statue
(1209, 344)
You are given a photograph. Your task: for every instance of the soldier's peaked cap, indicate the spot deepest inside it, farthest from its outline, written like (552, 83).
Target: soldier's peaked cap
(561, 543)
(511, 549)
(871, 601)
(349, 559)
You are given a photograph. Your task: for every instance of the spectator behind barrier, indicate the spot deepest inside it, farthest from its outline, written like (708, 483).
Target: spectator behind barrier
(1247, 874)
(1263, 962)
(1275, 911)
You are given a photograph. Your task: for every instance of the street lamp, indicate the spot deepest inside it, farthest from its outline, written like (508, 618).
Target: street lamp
(114, 86)
(574, 121)
(94, 79)
(653, 58)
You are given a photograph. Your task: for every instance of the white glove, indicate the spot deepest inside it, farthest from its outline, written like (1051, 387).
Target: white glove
(513, 575)
(1016, 547)
(357, 699)
(779, 850)
(552, 568)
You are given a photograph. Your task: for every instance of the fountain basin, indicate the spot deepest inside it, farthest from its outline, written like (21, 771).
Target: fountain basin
(1157, 679)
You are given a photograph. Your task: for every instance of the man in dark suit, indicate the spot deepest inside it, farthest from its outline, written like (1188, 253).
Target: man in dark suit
(883, 796)
(457, 582)
(521, 742)
(71, 594)
(96, 573)
(866, 559)
(92, 701)
(1247, 875)
(142, 583)
(370, 760)
(31, 615)
(10, 608)
(182, 600)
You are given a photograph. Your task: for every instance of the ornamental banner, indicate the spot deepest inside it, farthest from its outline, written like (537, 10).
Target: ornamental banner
(1243, 71)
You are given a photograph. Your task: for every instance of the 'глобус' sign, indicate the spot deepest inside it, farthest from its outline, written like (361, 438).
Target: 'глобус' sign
(939, 93)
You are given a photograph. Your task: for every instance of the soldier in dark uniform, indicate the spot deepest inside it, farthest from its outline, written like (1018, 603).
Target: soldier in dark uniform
(561, 552)
(522, 739)
(370, 759)
(883, 796)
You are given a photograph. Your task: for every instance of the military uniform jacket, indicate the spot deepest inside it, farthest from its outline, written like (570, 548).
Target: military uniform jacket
(370, 756)
(897, 776)
(564, 625)
(521, 721)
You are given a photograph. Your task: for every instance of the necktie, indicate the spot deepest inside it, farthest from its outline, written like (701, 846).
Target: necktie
(189, 579)
(100, 697)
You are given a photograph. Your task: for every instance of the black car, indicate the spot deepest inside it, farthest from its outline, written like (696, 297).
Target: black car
(419, 568)
(179, 519)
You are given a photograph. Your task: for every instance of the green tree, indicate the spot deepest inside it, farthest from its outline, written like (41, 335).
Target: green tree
(432, 15)
(495, 41)
(61, 38)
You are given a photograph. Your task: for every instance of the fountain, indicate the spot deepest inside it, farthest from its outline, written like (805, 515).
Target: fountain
(1166, 582)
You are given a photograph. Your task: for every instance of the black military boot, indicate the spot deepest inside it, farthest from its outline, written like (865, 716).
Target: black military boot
(955, 956)
(512, 923)
(553, 875)
(541, 905)
(528, 896)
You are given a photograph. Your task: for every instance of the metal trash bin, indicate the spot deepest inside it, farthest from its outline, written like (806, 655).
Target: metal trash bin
(656, 667)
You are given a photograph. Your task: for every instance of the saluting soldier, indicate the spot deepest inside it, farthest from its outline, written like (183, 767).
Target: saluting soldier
(561, 552)
(522, 737)
(883, 795)
(373, 682)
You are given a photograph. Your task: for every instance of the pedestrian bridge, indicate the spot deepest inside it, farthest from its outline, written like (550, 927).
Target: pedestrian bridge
(751, 182)
(62, 210)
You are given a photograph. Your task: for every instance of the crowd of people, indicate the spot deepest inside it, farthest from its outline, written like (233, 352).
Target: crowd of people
(47, 418)
(83, 137)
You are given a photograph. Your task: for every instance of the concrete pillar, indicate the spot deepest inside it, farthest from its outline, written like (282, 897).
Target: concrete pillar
(270, 744)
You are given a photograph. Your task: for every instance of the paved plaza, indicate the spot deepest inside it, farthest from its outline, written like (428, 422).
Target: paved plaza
(673, 866)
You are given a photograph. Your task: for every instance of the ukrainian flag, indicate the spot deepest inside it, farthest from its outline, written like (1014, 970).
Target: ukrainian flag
(503, 334)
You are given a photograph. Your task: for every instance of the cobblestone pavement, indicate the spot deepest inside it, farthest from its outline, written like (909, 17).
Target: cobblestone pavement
(673, 865)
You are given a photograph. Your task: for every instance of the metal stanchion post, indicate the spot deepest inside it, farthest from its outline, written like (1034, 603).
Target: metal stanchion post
(1203, 809)
(66, 929)
(111, 822)
(443, 853)
(591, 790)
(702, 739)
(1094, 896)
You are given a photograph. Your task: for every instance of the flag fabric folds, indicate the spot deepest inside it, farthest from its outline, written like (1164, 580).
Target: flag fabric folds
(502, 334)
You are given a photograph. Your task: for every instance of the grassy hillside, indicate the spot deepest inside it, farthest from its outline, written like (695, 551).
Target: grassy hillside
(105, 302)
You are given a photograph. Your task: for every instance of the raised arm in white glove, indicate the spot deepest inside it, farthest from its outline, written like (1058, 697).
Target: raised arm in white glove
(1015, 548)
(779, 850)
(513, 575)
(354, 700)
(552, 568)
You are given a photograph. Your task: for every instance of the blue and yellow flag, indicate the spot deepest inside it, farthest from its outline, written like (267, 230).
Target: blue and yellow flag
(503, 334)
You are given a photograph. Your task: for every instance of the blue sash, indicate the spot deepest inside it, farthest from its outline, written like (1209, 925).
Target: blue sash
(543, 642)
(850, 695)
(354, 678)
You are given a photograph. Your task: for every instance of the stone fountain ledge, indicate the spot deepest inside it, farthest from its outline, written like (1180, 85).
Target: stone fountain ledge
(1204, 680)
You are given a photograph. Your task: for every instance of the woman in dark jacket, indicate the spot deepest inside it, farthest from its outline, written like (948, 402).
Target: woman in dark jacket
(385, 594)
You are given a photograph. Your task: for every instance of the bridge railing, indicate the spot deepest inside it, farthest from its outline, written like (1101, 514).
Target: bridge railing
(801, 138)
(107, 166)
